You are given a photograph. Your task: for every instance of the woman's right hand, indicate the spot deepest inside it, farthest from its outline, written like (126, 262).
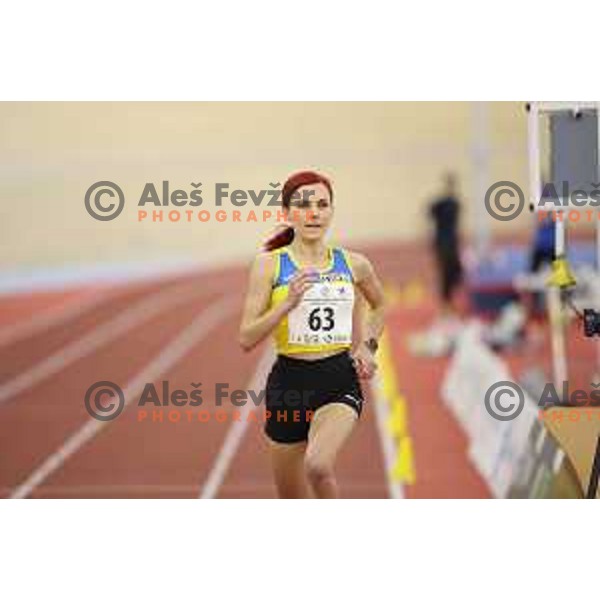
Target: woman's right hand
(302, 281)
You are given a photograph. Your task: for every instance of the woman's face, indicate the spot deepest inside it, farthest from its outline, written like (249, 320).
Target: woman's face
(311, 211)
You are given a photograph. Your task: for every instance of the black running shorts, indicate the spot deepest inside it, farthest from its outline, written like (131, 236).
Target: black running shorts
(297, 388)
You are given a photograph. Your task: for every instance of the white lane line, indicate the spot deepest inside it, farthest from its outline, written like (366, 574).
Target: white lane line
(128, 319)
(51, 317)
(169, 356)
(237, 430)
(388, 448)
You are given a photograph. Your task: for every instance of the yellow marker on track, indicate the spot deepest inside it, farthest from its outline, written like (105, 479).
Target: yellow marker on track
(396, 422)
(403, 469)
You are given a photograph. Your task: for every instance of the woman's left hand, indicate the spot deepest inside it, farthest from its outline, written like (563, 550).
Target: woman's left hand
(364, 362)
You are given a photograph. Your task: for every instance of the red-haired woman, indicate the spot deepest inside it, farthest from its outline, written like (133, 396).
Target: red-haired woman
(306, 293)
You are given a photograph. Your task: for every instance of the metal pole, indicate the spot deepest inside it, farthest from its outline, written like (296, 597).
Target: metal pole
(480, 181)
(557, 333)
(533, 139)
(592, 490)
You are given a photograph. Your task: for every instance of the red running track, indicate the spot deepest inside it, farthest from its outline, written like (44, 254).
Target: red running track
(182, 330)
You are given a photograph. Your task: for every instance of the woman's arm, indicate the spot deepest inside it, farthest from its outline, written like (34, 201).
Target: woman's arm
(258, 321)
(371, 288)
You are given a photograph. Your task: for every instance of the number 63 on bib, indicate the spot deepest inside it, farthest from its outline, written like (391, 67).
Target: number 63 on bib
(324, 315)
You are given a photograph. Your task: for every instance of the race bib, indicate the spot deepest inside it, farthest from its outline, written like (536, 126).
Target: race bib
(324, 316)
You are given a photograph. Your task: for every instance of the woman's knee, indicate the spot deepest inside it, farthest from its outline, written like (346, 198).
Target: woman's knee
(317, 469)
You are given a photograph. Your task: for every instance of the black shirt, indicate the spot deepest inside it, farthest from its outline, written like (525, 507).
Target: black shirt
(445, 213)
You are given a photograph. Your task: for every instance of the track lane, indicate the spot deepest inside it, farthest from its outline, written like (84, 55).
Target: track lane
(18, 306)
(38, 419)
(160, 459)
(23, 353)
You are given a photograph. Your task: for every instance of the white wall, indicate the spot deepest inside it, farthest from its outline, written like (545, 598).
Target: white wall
(385, 160)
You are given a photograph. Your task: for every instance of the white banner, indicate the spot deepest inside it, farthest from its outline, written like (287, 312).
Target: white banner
(495, 446)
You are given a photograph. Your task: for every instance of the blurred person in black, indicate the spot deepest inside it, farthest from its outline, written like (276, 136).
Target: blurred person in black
(445, 213)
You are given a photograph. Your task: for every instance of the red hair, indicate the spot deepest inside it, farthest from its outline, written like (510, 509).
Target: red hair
(293, 183)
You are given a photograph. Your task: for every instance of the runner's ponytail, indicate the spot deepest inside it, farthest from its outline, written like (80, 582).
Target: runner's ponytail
(295, 181)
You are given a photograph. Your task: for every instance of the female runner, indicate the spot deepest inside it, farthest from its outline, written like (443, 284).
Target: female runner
(306, 293)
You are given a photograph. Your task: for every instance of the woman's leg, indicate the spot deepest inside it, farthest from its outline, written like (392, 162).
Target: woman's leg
(287, 461)
(329, 429)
